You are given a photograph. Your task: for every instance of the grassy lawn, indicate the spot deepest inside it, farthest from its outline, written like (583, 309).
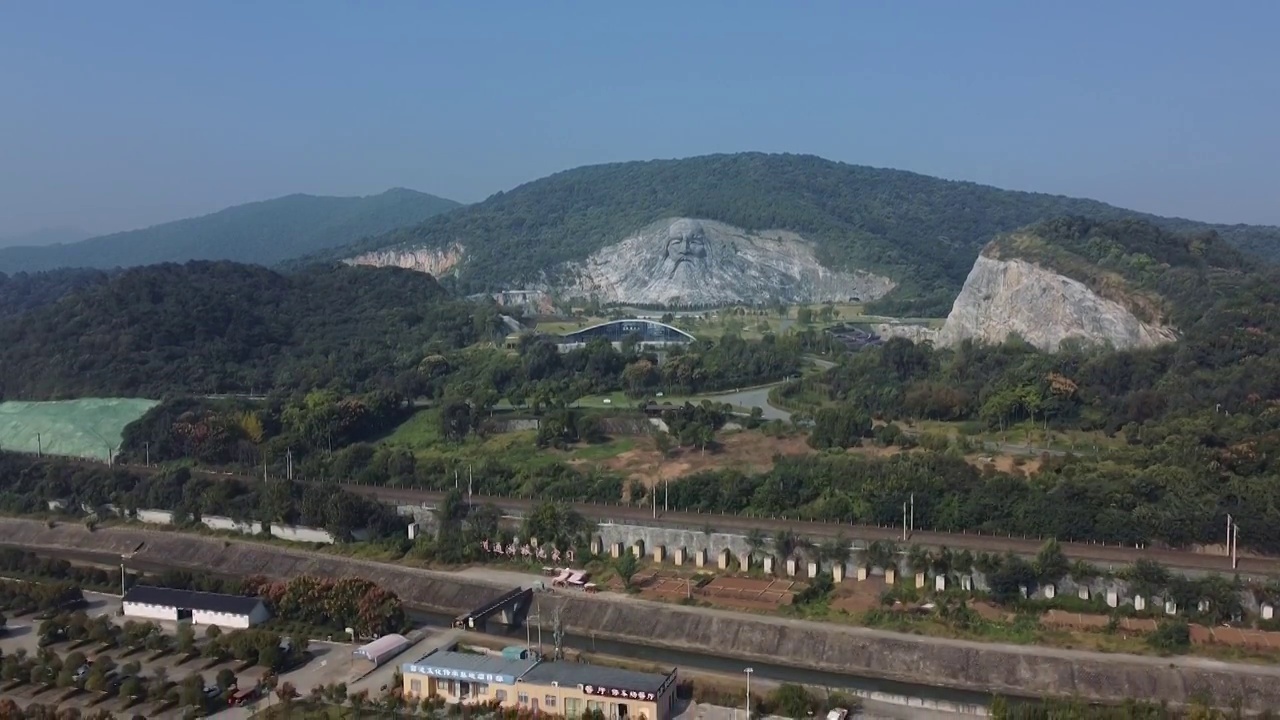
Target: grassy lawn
(421, 430)
(604, 451)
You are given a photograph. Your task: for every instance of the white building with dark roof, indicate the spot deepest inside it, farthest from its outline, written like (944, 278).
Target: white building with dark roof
(200, 608)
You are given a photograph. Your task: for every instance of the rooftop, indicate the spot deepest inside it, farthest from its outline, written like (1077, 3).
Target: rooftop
(192, 600)
(597, 676)
(470, 666)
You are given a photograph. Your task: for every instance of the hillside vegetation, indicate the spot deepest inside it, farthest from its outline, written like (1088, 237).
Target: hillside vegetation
(220, 327)
(1156, 273)
(1200, 418)
(924, 232)
(22, 292)
(265, 233)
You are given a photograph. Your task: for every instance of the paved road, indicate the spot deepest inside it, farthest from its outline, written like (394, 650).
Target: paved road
(754, 397)
(1103, 555)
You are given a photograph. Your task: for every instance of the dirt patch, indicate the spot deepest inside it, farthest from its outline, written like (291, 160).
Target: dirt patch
(1011, 464)
(858, 597)
(754, 452)
(750, 452)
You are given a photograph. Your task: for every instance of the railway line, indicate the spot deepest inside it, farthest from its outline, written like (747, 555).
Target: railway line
(1113, 556)
(1105, 556)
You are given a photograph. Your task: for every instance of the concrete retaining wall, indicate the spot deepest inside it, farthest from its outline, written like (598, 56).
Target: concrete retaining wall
(829, 647)
(220, 522)
(300, 533)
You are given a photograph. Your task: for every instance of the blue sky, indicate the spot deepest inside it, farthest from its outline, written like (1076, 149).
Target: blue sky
(123, 114)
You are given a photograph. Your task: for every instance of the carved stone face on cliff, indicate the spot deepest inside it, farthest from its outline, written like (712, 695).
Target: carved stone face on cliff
(686, 244)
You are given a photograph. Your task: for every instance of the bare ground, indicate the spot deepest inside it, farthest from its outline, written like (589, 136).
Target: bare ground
(754, 452)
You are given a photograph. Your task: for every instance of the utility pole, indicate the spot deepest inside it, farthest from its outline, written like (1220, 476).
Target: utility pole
(666, 495)
(39, 446)
(748, 671)
(913, 513)
(147, 445)
(469, 486)
(288, 456)
(904, 522)
(1229, 553)
(557, 634)
(1235, 547)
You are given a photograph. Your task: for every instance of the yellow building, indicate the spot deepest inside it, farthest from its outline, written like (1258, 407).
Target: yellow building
(567, 689)
(570, 689)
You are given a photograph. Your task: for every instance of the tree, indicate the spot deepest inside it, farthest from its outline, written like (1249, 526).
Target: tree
(1171, 637)
(97, 680)
(841, 426)
(1051, 563)
(226, 678)
(626, 566)
(455, 420)
(131, 687)
(287, 693)
(1012, 576)
(804, 315)
(785, 543)
(213, 632)
(186, 638)
(358, 701)
(792, 701)
(836, 551)
(158, 683)
(664, 442)
(191, 691)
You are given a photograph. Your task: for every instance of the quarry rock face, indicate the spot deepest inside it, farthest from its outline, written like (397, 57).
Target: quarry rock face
(682, 260)
(1015, 296)
(436, 262)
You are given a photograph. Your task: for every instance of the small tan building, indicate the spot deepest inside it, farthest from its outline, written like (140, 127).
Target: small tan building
(567, 689)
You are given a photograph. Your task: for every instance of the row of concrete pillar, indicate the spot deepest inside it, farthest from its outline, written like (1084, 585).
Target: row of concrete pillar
(724, 558)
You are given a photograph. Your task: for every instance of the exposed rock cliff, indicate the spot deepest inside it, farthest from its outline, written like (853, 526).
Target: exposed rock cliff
(704, 262)
(435, 262)
(1003, 296)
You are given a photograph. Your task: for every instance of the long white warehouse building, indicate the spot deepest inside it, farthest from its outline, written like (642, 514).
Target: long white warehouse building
(200, 608)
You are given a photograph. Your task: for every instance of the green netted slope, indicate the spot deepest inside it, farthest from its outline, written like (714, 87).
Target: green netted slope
(87, 428)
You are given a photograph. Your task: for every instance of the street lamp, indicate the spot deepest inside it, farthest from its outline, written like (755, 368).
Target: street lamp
(748, 672)
(124, 579)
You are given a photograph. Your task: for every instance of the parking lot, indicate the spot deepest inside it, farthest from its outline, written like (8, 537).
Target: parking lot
(22, 636)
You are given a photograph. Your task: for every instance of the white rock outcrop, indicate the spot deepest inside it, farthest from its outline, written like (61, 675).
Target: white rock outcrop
(436, 262)
(1004, 296)
(689, 261)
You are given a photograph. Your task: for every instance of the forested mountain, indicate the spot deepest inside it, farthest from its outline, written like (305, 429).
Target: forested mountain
(262, 232)
(23, 292)
(221, 327)
(923, 232)
(45, 236)
(1200, 417)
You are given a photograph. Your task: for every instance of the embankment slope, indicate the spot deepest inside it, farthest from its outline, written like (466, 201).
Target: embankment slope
(857, 651)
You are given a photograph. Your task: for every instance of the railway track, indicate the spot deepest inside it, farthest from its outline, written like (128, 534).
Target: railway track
(1113, 556)
(1105, 556)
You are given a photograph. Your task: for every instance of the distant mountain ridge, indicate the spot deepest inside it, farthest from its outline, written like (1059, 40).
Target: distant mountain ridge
(264, 233)
(45, 236)
(921, 233)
